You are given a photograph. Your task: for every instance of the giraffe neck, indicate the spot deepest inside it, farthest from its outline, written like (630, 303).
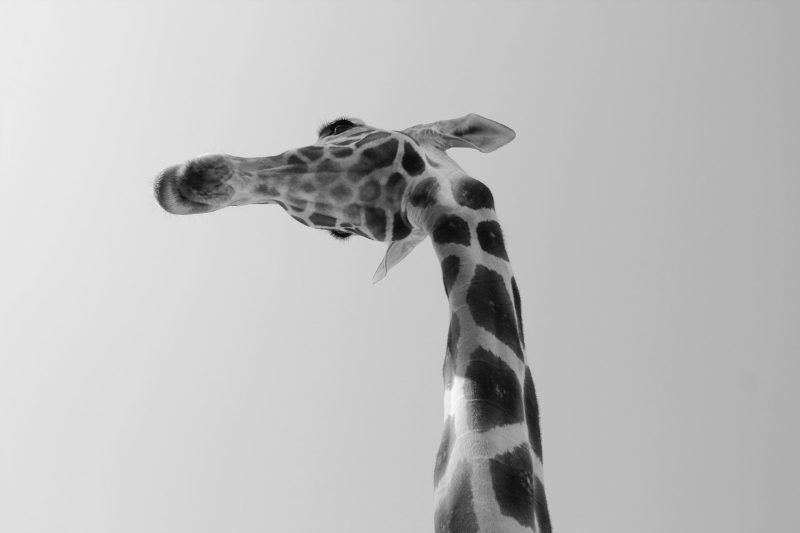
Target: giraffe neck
(488, 474)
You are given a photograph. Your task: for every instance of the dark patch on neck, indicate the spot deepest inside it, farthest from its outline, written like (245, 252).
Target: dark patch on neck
(492, 391)
(532, 414)
(513, 484)
(451, 229)
(490, 237)
(412, 162)
(455, 512)
(450, 268)
(472, 193)
(424, 193)
(491, 307)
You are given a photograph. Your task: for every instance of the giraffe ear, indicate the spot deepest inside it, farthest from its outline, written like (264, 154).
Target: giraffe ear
(474, 131)
(397, 252)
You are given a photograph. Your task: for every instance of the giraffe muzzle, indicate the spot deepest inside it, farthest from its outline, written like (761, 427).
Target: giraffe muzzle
(198, 186)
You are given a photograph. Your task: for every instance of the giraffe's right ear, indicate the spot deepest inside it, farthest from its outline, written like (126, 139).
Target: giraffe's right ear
(474, 131)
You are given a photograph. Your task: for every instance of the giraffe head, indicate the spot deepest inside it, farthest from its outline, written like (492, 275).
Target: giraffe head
(355, 180)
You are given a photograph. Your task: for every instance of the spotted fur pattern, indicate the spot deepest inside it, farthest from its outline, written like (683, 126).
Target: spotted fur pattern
(379, 184)
(488, 472)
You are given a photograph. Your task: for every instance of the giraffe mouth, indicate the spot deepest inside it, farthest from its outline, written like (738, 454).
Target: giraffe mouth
(171, 197)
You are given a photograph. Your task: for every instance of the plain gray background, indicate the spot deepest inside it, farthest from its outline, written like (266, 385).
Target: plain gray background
(239, 372)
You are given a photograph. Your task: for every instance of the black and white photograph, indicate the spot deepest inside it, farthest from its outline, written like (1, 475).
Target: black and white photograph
(399, 266)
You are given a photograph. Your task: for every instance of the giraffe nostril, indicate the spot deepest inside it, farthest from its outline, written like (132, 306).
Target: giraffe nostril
(194, 178)
(206, 178)
(207, 172)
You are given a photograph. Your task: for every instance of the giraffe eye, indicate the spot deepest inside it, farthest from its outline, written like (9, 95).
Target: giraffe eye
(341, 127)
(335, 127)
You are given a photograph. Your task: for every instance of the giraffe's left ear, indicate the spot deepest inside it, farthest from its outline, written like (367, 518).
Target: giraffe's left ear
(397, 252)
(474, 131)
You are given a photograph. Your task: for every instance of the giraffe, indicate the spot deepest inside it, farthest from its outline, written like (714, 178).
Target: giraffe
(400, 187)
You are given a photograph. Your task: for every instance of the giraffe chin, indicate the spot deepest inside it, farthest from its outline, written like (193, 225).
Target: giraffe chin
(173, 200)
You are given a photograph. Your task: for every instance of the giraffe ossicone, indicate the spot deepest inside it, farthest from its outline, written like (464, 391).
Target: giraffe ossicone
(399, 187)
